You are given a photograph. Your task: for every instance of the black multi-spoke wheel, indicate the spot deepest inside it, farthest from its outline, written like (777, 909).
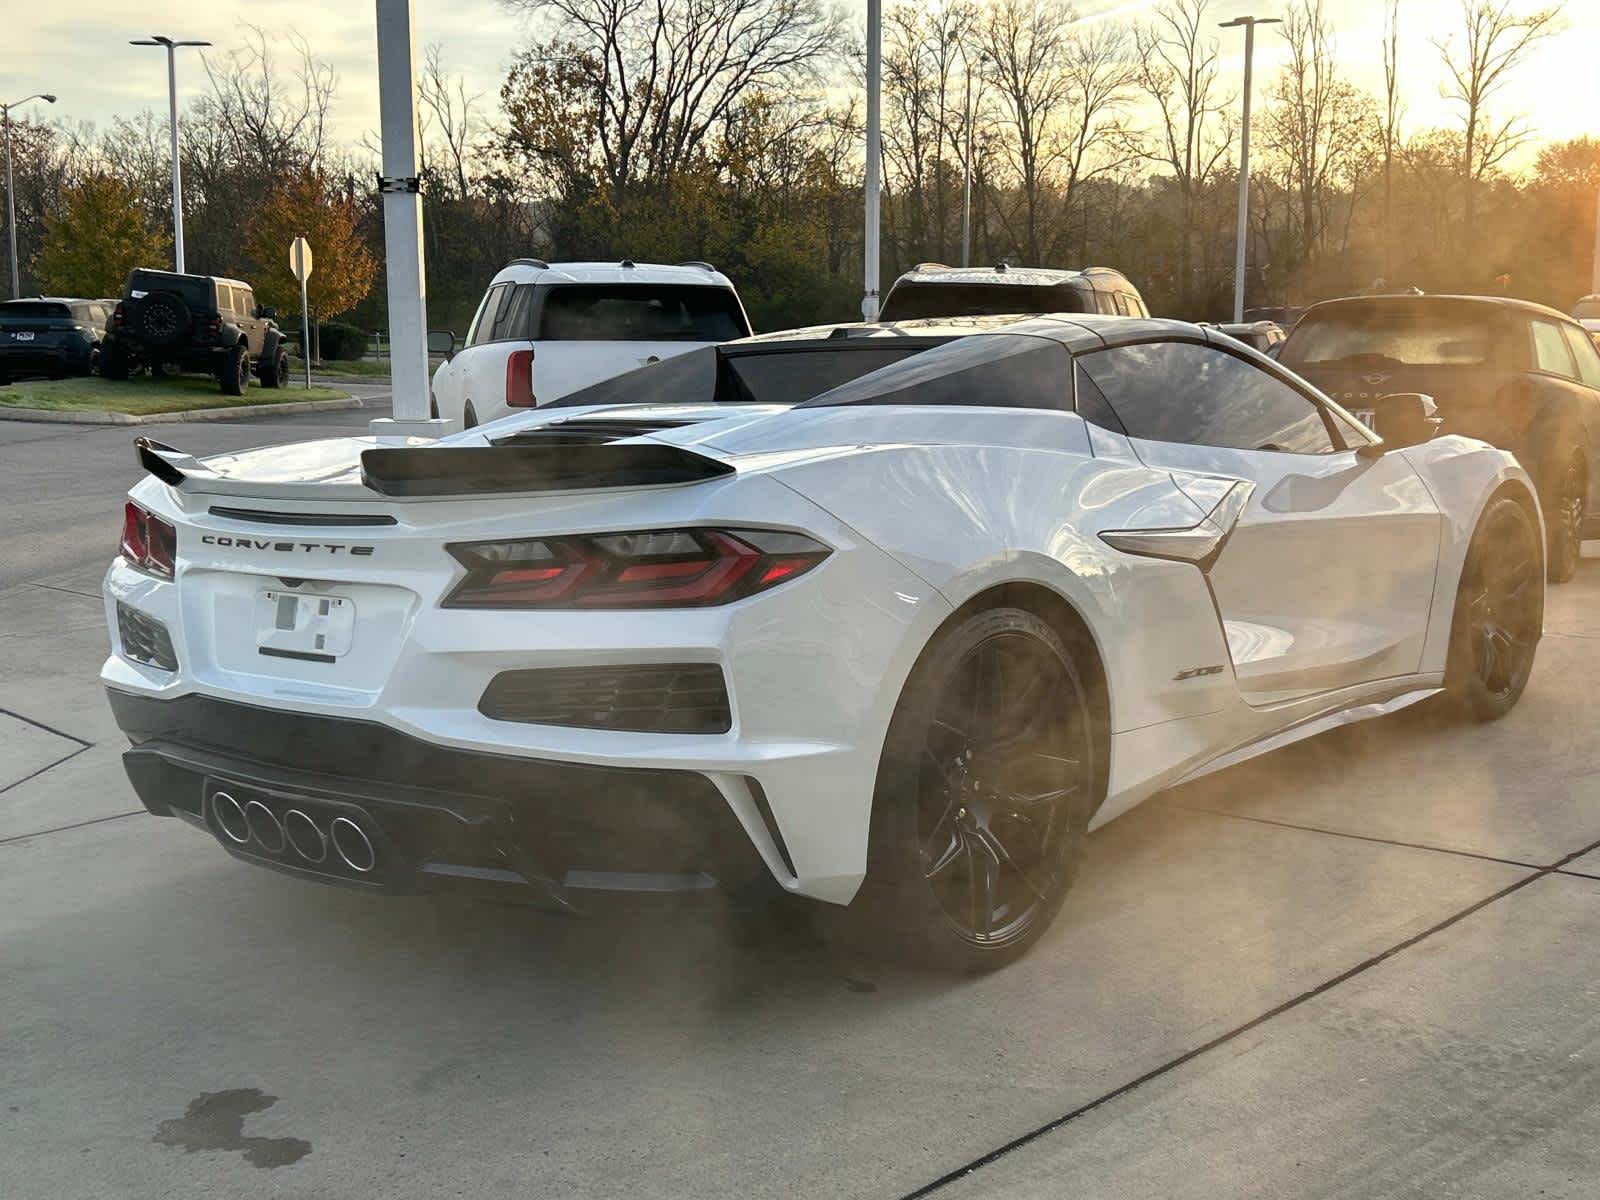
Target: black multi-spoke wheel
(1499, 613)
(986, 784)
(1565, 520)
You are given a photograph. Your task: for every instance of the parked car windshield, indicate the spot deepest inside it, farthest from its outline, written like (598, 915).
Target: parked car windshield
(773, 374)
(640, 312)
(32, 309)
(917, 301)
(1404, 333)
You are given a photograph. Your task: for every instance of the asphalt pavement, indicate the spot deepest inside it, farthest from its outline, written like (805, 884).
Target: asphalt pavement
(1364, 966)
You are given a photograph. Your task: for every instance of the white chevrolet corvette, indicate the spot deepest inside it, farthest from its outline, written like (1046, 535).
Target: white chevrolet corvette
(889, 616)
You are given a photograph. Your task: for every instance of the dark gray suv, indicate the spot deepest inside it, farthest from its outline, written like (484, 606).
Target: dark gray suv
(1517, 374)
(199, 323)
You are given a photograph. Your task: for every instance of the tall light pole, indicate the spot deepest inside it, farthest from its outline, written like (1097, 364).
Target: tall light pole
(869, 301)
(11, 191)
(1243, 237)
(966, 168)
(156, 39)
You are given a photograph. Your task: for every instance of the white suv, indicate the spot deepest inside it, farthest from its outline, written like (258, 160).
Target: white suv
(546, 329)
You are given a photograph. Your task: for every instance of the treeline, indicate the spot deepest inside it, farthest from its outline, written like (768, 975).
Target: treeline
(731, 131)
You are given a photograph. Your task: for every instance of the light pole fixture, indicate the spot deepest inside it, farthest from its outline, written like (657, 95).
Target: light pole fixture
(966, 165)
(1243, 236)
(11, 191)
(874, 165)
(172, 46)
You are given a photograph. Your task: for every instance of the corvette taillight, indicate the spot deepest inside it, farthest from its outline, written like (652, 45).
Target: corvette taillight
(148, 542)
(519, 379)
(654, 568)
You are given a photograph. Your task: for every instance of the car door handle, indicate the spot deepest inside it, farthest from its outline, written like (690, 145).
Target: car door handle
(1199, 543)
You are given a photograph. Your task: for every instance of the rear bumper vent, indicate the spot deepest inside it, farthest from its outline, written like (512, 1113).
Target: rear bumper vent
(144, 639)
(662, 698)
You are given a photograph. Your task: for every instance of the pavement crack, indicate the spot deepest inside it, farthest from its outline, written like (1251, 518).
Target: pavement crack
(1355, 837)
(23, 837)
(60, 733)
(16, 783)
(1223, 1039)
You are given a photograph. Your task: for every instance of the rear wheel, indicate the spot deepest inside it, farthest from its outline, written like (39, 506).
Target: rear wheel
(1564, 524)
(1499, 614)
(983, 796)
(235, 376)
(275, 372)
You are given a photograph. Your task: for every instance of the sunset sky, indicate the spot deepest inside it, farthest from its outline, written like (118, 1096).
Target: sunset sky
(79, 51)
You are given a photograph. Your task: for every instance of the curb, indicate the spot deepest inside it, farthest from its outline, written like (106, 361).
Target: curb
(45, 416)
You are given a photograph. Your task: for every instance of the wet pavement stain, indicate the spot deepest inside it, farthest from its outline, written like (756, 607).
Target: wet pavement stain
(215, 1121)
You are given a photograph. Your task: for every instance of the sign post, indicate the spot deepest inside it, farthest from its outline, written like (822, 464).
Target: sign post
(300, 264)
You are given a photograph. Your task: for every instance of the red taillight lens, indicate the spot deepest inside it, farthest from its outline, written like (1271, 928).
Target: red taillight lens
(519, 379)
(656, 568)
(148, 542)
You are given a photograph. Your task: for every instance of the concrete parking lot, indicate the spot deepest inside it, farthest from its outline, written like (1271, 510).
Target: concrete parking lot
(1365, 966)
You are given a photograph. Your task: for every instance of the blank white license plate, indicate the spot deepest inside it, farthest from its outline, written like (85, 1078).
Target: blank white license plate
(308, 626)
(23, 337)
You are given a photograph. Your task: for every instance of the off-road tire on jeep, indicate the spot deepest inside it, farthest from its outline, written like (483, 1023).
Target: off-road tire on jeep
(165, 319)
(235, 374)
(275, 371)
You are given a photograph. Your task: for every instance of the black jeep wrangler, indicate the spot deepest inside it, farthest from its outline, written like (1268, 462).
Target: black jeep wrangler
(168, 321)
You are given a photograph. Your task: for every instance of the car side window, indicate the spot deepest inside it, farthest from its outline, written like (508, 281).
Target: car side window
(1550, 351)
(1582, 347)
(1091, 402)
(482, 329)
(514, 320)
(244, 302)
(1201, 395)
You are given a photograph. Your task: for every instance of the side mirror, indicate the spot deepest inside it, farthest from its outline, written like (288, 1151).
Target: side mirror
(1402, 419)
(266, 312)
(442, 341)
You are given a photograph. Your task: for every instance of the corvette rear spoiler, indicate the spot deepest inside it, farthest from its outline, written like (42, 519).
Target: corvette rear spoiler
(483, 470)
(167, 463)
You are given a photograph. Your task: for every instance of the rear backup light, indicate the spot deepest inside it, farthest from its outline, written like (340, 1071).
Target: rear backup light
(148, 542)
(653, 568)
(519, 379)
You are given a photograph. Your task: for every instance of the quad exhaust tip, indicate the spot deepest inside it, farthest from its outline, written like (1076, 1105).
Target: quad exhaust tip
(265, 827)
(305, 838)
(230, 818)
(352, 846)
(297, 830)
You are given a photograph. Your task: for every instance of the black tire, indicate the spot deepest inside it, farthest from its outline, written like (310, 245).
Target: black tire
(469, 417)
(164, 319)
(1564, 514)
(1499, 614)
(275, 372)
(235, 374)
(988, 777)
(113, 362)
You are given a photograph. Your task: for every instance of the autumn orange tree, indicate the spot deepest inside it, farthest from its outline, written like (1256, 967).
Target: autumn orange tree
(97, 236)
(343, 266)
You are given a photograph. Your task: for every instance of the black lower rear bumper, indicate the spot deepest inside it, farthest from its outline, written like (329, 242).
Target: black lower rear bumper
(433, 815)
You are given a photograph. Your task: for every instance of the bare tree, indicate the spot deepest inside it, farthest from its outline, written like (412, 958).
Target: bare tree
(1316, 122)
(1393, 109)
(445, 104)
(1495, 39)
(1178, 71)
(1027, 45)
(277, 122)
(666, 75)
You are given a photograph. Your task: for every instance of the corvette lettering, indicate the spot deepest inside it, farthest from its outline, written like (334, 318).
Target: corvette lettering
(244, 543)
